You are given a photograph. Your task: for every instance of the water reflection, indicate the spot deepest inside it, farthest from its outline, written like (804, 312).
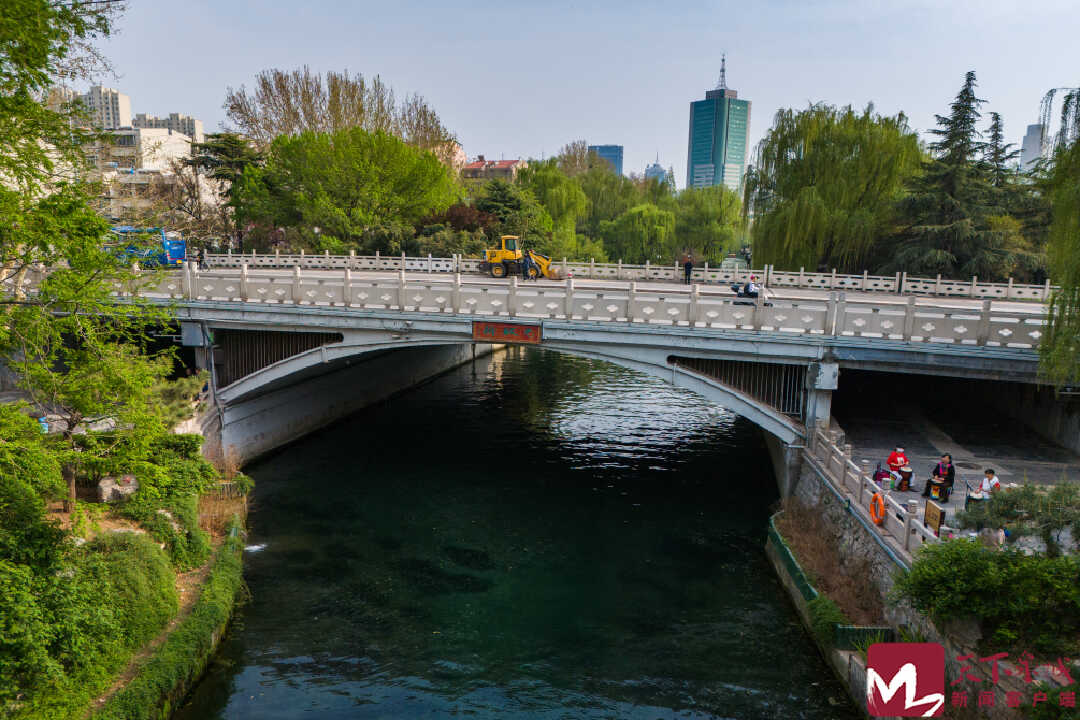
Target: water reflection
(534, 536)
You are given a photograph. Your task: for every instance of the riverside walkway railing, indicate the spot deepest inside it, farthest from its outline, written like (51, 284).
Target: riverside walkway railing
(898, 284)
(907, 319)
(901, 525)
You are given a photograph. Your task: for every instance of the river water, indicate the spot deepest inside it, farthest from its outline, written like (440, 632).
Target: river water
(530, 536)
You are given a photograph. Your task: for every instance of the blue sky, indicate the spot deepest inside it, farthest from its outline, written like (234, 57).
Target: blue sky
(523, 78)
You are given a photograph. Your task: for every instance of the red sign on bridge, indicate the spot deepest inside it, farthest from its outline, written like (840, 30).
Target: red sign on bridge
(506, 332)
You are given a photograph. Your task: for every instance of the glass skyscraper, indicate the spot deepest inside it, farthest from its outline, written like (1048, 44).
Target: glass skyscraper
(611, 153)
(719, 129)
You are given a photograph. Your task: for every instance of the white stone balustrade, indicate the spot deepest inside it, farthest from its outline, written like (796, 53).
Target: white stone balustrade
(906, 528)
(889, 319)
(897, 284)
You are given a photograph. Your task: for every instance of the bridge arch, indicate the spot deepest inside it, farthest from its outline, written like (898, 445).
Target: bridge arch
(243, 398)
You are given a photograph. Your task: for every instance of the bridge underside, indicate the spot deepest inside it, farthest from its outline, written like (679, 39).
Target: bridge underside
(282, 371)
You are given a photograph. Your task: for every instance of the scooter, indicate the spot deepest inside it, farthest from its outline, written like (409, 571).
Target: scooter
(740, 290)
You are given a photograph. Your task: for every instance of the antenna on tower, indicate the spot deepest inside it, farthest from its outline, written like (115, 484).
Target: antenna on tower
(722, 85)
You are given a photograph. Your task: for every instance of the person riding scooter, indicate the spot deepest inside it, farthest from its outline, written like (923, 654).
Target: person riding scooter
(749, 290)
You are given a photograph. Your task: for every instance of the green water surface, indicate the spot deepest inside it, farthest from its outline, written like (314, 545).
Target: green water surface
(530, 536)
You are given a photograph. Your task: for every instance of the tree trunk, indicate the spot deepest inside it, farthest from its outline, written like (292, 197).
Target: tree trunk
(69, 477)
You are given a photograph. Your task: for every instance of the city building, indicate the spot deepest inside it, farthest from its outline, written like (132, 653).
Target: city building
(140, 149)
(612, 153)
(108, 109)
(656, 171)
(719, 131)
(482, 170)
(185, 124)
(1031, 149)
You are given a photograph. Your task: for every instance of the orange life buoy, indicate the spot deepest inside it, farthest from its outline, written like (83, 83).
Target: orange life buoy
(877, 509)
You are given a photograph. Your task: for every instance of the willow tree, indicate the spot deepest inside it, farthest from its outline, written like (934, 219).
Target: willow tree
(563, 199)
(644, 232)
(824, 184)
(1061, 345)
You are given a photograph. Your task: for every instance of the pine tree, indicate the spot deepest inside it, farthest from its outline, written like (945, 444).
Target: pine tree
(954, 220)
(997, 155)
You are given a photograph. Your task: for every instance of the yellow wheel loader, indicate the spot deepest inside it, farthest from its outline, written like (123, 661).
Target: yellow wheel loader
(507, 259)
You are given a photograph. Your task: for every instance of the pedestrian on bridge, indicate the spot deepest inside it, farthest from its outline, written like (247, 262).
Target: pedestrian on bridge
(688, 267)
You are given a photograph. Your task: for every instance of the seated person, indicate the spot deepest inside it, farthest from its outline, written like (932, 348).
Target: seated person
(896, 460)
(750, 289)
(944, 472)
(990, 483)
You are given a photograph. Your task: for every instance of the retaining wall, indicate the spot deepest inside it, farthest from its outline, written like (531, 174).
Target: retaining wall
(255, 426)
(856, 540)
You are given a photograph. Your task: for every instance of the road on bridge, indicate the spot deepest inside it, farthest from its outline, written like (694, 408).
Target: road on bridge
(1017, 306)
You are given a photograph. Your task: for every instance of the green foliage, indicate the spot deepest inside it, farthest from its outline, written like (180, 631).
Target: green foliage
(945, 222)
(1060, 349)
(706, 222)
(175, 666)
(36, 39)
(344, 183)
(564, 201)
(224, 157)
(1030, 510)
(863, 643)
(1021, 602)
(644, 232)
(517, 212)
(63, 634)
(825, 615)
(824, 186)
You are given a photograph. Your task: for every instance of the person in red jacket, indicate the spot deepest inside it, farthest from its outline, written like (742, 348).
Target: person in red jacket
(897, 459)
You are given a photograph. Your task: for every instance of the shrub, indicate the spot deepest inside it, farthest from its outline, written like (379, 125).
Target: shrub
(825, 615)
(83, 623)
(1021, 602)
(178, 662)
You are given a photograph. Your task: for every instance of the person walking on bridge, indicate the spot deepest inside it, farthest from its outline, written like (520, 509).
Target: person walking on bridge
(688, 267)
(526, 264)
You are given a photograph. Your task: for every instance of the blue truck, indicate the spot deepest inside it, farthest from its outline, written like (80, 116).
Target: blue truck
(147, 246)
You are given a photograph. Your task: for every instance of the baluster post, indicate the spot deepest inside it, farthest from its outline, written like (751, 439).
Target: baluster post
(759, 311)
(346, 288)
(511, 300)
(909, 318)
(455, 294)
(244, 280)
(692, 313)
(296, 292)
(569, 298)
(838, 319)
(984, 323)
(185, 281)
(631, 298)
(401, 286)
